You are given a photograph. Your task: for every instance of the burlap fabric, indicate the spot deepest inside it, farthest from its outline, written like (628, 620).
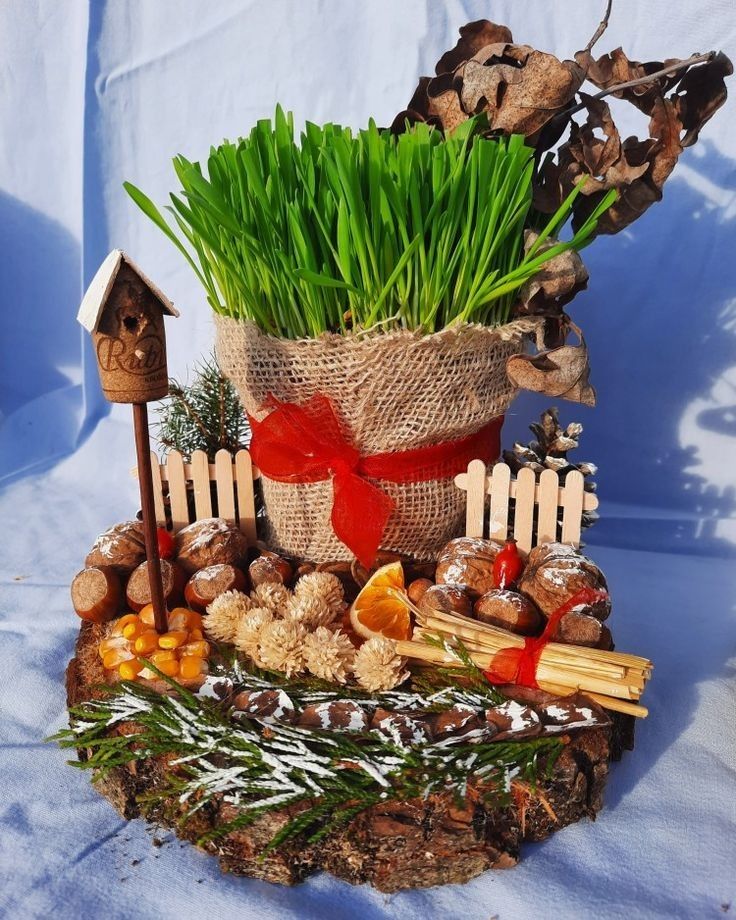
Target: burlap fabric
(391, 391)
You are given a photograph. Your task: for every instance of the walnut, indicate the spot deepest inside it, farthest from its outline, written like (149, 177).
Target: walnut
(212, 541)
(555, 572)
(468, 561)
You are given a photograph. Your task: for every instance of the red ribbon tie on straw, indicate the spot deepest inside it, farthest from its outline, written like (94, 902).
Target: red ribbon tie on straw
(518, 665)
(305, 443)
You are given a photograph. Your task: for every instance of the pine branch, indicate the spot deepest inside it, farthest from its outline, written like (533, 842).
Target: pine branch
(256, 772)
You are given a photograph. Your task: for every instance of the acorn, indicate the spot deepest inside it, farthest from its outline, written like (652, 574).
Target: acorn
(446, 599)
(208, 583)
(96, 593)
(138, 592)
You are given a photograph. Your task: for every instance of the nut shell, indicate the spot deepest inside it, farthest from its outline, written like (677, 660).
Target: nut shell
(138, 592)
(212, 541)
(122, 547)
(509, 610)
(447, 599)
(468, 561)
(96, 593)
(418, 588)
(207, 584)
(555, 572)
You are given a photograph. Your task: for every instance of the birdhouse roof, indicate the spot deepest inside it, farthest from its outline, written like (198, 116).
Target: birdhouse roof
(95, 299)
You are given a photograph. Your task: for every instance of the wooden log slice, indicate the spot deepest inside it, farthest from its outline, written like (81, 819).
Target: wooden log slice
(396, 845)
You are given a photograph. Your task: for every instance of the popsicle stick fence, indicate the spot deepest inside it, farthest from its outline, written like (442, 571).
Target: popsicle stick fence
(546, 496)
(537, 503)
(233, 497)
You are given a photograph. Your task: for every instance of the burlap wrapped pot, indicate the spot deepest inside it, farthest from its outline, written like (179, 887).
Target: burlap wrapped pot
(391, 392)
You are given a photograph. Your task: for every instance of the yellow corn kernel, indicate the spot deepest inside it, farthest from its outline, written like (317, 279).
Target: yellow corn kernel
(191, 667)
(108, 645)
(169, 668)
(120, 624)
(147, 642)
(195, 620)
(163, 654)
(172, 639)
(199, 649)
(195, 635)
(133, 630)
(146, 615)
(178, 618)
(129, 670)
(116, 657)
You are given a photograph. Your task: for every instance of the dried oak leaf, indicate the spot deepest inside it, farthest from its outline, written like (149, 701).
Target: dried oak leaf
(560, 372)
(555, 284)
(473, 37)
(519, 88)
(636, 168)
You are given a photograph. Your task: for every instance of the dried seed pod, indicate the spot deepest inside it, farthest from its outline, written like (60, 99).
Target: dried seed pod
(514, 720)
(555, 572)
(447, 599)
(418, 588)
(454, 722)
(338, 715)
(509, 610)
(207, 584)
(96, 593)
(265, 705)
(138, 592)
(468, 561)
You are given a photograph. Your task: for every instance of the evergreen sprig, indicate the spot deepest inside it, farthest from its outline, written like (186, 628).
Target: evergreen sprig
(217, 756)
(205, 414)
(362, 230)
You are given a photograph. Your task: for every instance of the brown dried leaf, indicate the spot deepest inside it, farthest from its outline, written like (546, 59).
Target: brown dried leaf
(555, 285)
(473, 37)
(561, 372)
(637, 168)
(444, 103)
(521, 89)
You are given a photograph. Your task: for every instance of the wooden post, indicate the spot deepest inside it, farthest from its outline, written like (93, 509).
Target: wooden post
(124, 312)
(145, 482)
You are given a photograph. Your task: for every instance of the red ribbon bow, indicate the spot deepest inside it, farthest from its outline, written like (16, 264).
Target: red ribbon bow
(301, 444)
(519, 665)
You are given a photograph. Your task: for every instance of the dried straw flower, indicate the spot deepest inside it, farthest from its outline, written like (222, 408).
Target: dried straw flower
(272, 595)
(310, 611)
(224, 614)
(281, 646)
(324, 585)
(329, 655)
(378, 666)
(248, 633)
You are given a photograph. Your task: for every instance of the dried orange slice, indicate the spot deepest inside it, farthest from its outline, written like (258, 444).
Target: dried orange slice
(380, 608)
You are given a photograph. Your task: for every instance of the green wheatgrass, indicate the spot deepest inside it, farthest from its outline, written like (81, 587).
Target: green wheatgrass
(347, 230)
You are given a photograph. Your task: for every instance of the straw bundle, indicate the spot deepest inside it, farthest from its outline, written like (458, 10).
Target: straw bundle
(613, 679)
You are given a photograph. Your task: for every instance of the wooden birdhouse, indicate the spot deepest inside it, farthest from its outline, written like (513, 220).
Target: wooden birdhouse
(124, 312)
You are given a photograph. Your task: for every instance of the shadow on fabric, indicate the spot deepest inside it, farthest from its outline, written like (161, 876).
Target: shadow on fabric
(41, 397)
(659, 318)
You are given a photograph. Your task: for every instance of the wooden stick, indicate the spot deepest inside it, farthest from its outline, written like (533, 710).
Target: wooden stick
(145, 481)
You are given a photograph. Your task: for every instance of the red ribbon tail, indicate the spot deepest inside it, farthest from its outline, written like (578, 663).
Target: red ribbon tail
(360, 512)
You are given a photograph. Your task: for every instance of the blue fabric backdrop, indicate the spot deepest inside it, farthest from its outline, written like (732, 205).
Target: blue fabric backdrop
(96, 92)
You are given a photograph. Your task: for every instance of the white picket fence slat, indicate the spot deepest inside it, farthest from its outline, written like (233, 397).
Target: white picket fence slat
(234, 496)
(537, 503)
(546, 496)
